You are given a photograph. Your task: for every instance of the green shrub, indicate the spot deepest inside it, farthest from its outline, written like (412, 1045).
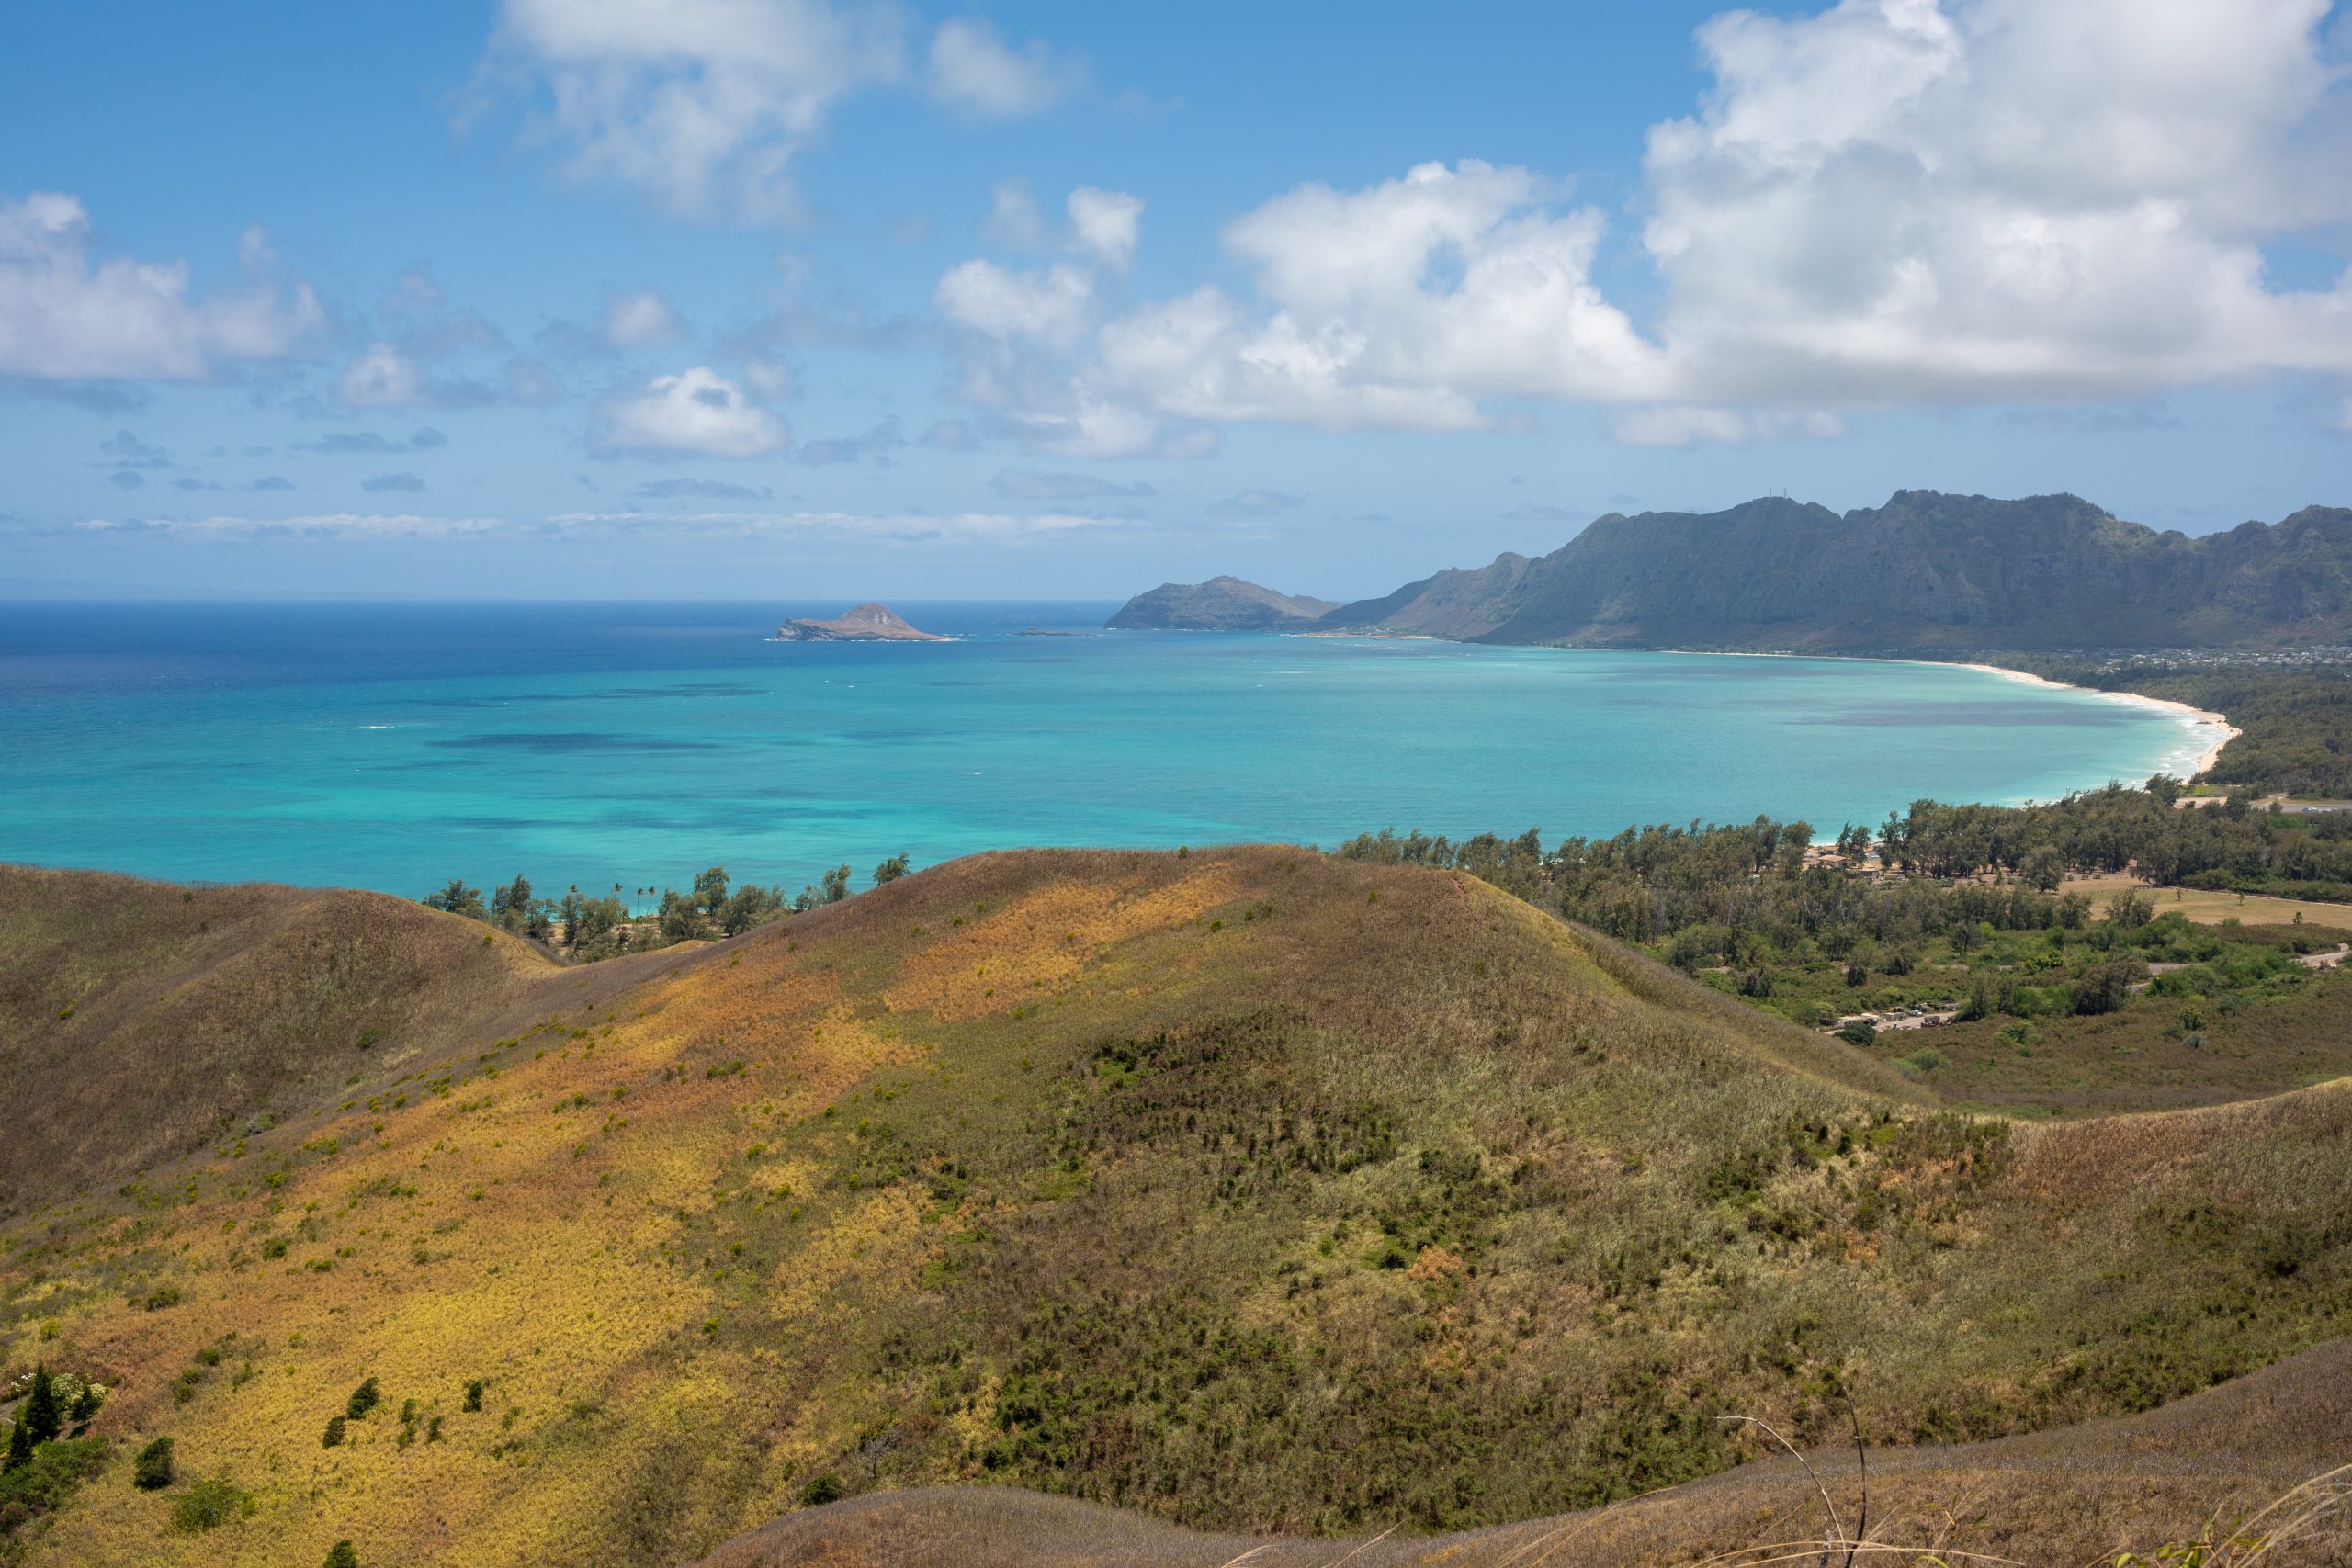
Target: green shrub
(332, 1437)
(1925, 1060)
(1857, 1032)
(821, 1490)
(473, 1393)
(364, 1398)
(152, 1471)
(208, 1505)
(341, 1555)
(46, 1479)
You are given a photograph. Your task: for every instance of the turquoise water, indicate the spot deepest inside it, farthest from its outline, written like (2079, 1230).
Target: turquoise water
(394, 745)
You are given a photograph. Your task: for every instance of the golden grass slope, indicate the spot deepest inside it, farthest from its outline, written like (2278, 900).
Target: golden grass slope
(1255, 1190)
(141, 1019)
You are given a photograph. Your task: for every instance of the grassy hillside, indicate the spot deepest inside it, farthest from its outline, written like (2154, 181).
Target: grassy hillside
(2188, 1472)
(152, 1018)
(1252, 1189)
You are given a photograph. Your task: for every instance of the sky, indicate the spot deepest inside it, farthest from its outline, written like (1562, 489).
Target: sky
(858, 298)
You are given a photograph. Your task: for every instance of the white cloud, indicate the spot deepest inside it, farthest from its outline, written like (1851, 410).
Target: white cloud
(701, 104)
(62, 317)
(909, 527)
(1049, 305)
(340, 524)
(1895, 201)
(642, 319)
(1686, 424)
(699, 411)
(973, 70)
(1104, 223)
(382, 377)
(1886, 202)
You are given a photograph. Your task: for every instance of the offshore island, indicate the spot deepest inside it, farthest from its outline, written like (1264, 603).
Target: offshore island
(868, 623)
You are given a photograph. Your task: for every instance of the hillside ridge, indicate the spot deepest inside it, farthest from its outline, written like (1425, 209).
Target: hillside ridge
(1926, 572)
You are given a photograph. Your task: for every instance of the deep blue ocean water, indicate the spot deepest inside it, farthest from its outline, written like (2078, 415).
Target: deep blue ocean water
(396, 745)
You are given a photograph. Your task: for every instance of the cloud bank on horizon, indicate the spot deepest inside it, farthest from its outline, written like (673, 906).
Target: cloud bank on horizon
(1880, 208)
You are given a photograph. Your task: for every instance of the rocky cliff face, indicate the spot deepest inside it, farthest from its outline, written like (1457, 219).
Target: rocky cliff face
(1220, 605)
(1925, 571)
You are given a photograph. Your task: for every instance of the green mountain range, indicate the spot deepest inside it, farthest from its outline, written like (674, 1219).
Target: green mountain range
(1926, 571)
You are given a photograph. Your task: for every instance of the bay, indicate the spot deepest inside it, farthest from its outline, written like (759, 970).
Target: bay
(395, 745)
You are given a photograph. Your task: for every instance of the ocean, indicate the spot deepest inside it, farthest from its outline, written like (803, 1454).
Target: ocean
(396, 745)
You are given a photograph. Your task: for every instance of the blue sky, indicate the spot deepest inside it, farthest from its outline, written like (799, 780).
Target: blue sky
(820, 298)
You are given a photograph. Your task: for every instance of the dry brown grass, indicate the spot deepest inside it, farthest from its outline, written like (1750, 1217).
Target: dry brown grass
(2249, 1468)
(143, 1019)
(815, 1202)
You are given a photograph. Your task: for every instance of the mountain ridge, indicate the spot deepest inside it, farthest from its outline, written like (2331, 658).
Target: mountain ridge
(1222, 604)
(1928, 572)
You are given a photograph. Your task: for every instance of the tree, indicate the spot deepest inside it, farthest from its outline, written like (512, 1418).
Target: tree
(364, 1398)
(1857, 1032)
(341, 1555)
(681, 917)
(20, 1445)
(890, 870)
(511, 906)
(43, 1416)
(748, 906)
(2043, 867)
(710, 889)
(837, 884)
(2131, 909)
(152, 1471)
(2107, 985)
(457, 900)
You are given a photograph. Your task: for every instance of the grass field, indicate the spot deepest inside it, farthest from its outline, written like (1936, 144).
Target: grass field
(2212, 909)
(1252, 1191)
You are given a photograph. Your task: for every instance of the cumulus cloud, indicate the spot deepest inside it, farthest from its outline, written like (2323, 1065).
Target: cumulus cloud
(700, 104)
(642, 319)
(1048, 304)
(65, 318)
(380, 377)
(1897, 200)
(1885, 202)
(1104, 223)
(974, 72)
(698, 411)
(1689, 426)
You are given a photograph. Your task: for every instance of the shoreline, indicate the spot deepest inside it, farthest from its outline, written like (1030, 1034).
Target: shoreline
(2190, 717)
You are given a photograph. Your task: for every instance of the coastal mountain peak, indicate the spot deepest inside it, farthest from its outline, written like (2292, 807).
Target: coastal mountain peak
(869, 622)
(1225, 604)
(1927, 570)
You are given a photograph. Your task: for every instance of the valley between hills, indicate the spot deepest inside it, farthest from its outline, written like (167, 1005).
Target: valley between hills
(1060, 1207)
